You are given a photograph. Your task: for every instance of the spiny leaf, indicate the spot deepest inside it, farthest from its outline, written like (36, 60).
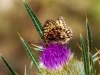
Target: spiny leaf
(85, 55)
(35, 20)
(30, 53)
(8, 66)
(89, 40)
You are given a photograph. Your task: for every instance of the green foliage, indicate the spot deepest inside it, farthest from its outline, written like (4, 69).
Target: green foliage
(86, 52)
(35, 20)
(8, 66)
(89, 40)
(85, 55)
(30, 53)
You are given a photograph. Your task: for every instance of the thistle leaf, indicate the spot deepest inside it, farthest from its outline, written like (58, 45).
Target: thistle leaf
(85, 55)
(8, 66)
(30, 53)
(89, 40)
(35, 20)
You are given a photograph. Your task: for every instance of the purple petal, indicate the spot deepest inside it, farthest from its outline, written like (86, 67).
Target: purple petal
(55, 55)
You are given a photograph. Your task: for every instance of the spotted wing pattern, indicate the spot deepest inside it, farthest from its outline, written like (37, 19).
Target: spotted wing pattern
(57, 31)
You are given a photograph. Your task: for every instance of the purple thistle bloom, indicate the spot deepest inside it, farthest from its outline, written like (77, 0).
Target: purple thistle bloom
(55, 55)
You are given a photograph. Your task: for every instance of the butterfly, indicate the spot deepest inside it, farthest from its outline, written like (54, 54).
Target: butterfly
(57, 31)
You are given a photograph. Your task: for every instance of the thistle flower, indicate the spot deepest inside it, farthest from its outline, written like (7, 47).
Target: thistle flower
(55, 55)
(74, 67)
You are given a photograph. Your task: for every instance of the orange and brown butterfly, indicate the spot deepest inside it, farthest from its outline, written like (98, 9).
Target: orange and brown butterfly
(57, 31)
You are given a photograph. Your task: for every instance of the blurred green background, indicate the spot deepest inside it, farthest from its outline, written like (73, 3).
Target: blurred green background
(14, 18)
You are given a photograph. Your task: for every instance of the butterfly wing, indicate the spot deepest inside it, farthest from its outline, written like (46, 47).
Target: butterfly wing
(49, 32)
(56, 31)
(66, 32)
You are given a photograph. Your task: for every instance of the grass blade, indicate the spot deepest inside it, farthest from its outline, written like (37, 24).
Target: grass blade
(35, 20)
(8, 66)
(85, 55)
(30, 53)
(89, 40)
